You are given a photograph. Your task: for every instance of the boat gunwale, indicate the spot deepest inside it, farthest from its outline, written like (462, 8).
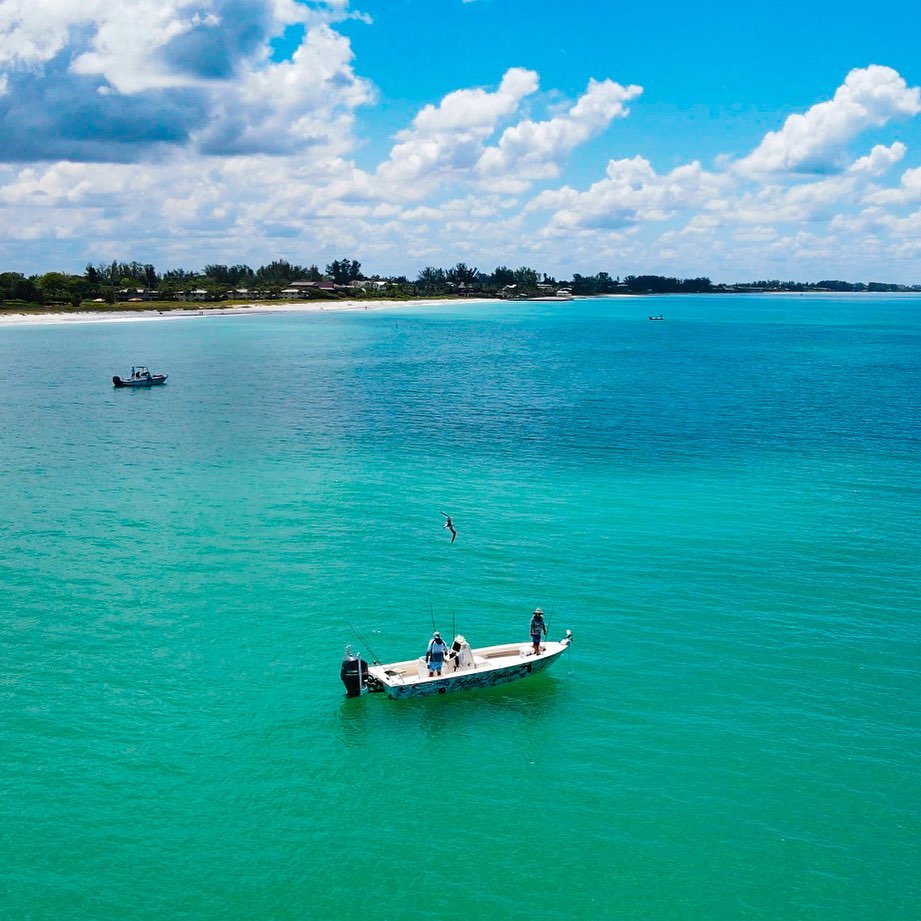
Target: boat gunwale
(405, 674)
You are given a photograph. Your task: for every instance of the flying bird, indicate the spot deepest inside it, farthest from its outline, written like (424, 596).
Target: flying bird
(449, 525)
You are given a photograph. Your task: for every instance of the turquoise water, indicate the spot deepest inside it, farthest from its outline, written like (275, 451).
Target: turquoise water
(724, 507)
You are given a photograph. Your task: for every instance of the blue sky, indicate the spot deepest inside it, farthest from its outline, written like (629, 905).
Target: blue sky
(739, 142)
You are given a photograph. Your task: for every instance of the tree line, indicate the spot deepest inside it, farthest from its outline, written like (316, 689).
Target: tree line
(115, 281)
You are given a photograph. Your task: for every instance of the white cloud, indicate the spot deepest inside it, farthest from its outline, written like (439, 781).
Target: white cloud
(34, 31)
(908, 192)
(449, 142)
(634, 193)
(122, 42)
(237, 156)
(448, 138)
(803, 203)
(816, 141)
(307, 102)
(879, 160)
(532, 150)
(173, 73)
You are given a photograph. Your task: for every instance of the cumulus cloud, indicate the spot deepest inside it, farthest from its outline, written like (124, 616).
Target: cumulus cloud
(802, 203)
(532, 150)
(774, 212)
(35, 31)
(240, 153)
(816, 141)
(879, 160)
(449, 138)
(633, 192)
(96, 81)
(75, 121)
(305, 103)
(908, 192)
(451, 141)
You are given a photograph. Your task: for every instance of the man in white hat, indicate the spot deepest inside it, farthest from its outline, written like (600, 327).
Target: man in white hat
(435, 654)
(538, 629)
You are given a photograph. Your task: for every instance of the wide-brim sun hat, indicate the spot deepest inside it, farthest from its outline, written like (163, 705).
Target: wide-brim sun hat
(538, 611)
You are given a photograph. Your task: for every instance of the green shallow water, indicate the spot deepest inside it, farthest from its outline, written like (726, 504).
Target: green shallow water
(723, 507)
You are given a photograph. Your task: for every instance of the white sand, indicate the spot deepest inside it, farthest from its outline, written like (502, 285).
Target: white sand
(179, 313)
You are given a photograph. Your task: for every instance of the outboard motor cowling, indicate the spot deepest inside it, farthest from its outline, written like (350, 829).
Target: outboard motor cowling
(354, 674)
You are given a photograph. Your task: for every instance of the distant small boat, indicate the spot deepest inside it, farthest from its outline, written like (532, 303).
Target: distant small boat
(659, 317)
(465, 669)
(564, 294)
(140, 377)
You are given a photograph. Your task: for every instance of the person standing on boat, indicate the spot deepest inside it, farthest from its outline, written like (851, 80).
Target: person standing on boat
(435, 654)
(538, 629)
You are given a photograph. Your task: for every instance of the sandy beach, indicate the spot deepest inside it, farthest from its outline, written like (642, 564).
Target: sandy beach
(185, 313)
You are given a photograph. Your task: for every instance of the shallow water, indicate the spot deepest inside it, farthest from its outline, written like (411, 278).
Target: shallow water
(723, 507)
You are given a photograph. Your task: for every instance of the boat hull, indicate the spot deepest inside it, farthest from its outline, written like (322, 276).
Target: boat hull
(153, 381)
(512, 666)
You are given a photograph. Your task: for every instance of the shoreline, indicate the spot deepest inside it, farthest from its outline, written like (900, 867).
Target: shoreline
(174, 313)
(62, 317)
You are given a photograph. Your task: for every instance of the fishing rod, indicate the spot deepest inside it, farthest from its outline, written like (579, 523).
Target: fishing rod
(366, 644)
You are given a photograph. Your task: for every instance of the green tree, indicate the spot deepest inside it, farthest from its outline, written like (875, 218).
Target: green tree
(503, 276)
(58, 288)
(279, 272)
(15, 286)
(526, 278)
(344, 271)
(462, 274)
(431, 280)
(228, 275)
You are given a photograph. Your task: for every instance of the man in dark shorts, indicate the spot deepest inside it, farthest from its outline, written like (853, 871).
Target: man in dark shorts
(538, 629)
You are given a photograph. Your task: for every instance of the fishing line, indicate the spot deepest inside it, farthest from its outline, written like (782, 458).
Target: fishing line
(366, 644)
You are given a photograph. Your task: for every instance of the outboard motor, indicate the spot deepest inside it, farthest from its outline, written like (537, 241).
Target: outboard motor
(354, 674)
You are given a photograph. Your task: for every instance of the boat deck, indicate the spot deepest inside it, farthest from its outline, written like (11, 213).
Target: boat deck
(485, 660)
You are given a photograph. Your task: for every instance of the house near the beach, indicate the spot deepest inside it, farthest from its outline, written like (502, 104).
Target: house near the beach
(137, 294)
(299, 289)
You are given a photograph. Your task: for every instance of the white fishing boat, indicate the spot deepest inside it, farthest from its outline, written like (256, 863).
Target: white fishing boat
(140, 377)
(464, 669)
